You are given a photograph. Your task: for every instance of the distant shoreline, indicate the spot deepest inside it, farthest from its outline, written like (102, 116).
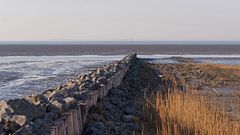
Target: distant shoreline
(120, 42)
(54, 50)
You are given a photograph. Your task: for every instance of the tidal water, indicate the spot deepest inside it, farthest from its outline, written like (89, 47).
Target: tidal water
(26, 69)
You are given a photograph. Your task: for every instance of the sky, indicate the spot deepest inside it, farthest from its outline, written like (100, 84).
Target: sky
(126, 20)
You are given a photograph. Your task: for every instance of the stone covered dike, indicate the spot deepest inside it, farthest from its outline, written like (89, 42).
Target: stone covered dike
(62, 110)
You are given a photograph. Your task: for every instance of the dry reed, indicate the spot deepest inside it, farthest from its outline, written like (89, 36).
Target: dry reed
(188, 114)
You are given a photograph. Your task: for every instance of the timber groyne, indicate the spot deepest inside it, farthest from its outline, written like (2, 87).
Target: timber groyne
(62, 110)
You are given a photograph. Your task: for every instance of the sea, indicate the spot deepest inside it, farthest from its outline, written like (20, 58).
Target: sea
(32, 69)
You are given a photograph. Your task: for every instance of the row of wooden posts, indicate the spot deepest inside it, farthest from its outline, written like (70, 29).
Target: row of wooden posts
(73, 121)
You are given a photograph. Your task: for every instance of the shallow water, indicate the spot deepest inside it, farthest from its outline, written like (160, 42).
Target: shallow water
(23, 75)
(212, 59)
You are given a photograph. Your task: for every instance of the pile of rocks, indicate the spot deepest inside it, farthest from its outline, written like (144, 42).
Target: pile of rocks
(119, 113)
(62, 110)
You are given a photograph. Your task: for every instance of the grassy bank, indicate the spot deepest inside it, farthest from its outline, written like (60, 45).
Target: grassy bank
(171, 112)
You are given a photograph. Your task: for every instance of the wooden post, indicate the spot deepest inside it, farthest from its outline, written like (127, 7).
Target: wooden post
(80, 122)
(84, 109)
(91, 98)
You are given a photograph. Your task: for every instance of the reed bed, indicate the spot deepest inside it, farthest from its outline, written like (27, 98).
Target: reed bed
(188, 114)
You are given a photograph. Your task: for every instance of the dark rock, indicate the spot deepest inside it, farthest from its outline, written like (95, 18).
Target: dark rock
(24, 107)
(128, 128)
(102, 80)
(1, 128)
(110, 116)
(98, 125)
(108, 105)
(84, 85)
(26, 130)
(38, 123)
(129, 110)
(94, 86)
(11, 127)
(92, 131)
(129, 118)
(96, 128)
(55, 95)
(50, 116)
(80, 95)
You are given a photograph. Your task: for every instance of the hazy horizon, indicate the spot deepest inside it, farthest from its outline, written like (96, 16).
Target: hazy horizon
(118, 42)
(186, 20)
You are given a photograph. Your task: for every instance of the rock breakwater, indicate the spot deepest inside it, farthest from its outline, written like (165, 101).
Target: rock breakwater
(62, 110)
(121, 112)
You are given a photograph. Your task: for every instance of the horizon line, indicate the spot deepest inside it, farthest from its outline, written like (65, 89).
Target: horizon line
(122, 42)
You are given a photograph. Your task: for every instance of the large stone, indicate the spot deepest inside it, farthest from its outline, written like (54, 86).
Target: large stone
(16, 119)
(19, 119)
(5, 109)
(94, 86)
(47, 94)
(80, 95)
(11, 127)
(72, 85)
(24, 107)
(13, 123)
(84, 85)
(87, 78)
(59, 87)
(55, 95)
(102, 80)
(99, 71)
(36, 99)
(82, 76)
(94, 79)
(59, 104)
(70, 102)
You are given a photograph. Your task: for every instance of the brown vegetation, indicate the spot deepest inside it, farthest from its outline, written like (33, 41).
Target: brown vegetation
(188, 114)
(212, 75)
(192, 112)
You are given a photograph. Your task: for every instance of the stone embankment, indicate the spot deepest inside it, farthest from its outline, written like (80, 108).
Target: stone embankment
(122, 111)
(62, 110)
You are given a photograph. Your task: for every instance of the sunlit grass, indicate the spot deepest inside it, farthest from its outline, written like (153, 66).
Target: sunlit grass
(188, 114)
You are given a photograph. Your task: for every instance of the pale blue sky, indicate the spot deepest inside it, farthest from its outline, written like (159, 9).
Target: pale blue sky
(119, 20)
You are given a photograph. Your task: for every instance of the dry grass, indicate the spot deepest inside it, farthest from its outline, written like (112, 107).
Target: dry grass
(187, 114)
(213, 75)
(192, 113)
